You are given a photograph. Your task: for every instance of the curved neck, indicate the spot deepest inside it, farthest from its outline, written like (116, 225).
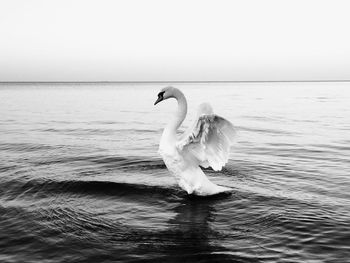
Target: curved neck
(180, 114)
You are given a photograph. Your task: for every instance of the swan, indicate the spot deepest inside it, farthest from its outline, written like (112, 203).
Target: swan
(206, 143)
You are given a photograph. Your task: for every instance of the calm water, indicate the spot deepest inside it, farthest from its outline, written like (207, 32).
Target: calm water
(81, 180)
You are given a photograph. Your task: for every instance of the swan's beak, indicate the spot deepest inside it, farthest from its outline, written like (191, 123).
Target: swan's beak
(158, 100)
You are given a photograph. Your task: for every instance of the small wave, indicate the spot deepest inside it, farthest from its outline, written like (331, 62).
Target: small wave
(335, 148)
(95, 188)
(117, 162)
(82, 131)
(6, 168)
(267, 131)
(25, 147)
(263, 118)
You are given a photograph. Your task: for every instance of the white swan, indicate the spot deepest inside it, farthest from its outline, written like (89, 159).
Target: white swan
(206, 143)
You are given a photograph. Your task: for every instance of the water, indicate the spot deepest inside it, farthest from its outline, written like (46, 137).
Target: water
(81, 180)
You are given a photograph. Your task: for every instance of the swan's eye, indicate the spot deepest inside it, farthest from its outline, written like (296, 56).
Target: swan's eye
(160, 94)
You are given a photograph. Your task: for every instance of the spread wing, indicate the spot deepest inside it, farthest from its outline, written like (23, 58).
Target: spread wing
(208, 143)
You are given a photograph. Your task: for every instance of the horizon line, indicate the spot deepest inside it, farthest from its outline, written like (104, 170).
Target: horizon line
(170, 81)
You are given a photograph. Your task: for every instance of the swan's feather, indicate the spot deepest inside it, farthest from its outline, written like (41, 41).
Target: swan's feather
(209, 141)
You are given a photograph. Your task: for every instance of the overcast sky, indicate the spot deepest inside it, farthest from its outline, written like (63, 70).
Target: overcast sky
(151, 40)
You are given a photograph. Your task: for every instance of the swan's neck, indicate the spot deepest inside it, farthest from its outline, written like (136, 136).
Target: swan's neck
(179, 116)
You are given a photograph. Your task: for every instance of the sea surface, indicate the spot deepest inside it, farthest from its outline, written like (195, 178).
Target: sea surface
(81, 179)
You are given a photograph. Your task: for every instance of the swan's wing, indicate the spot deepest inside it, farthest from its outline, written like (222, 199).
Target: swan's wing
(209, 142)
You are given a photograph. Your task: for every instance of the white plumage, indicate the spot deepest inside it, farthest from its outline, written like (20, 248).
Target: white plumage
(206, 143)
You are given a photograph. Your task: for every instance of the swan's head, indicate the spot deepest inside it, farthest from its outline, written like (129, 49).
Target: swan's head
(165, 93)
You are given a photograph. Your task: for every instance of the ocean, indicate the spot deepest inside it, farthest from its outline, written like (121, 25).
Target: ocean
(81, 179)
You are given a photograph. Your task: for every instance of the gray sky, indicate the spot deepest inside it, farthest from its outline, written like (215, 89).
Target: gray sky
(159, 40)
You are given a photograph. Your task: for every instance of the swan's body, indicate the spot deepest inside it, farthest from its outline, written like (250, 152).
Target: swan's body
(205, 144)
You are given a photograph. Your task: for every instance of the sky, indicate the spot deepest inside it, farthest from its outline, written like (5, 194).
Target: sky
(160, 40)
